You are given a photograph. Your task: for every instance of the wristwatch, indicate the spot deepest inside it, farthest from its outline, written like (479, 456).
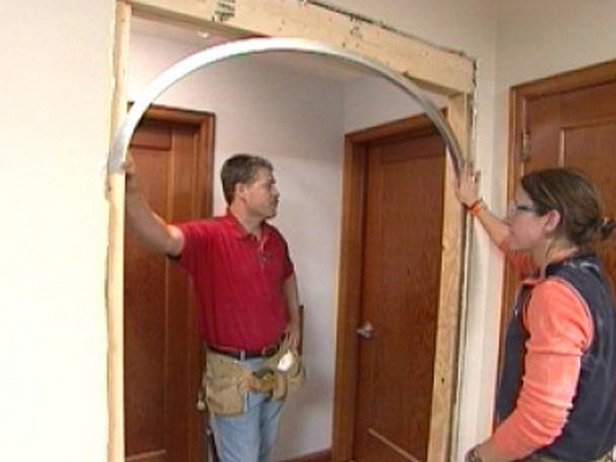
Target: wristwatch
(473, 456)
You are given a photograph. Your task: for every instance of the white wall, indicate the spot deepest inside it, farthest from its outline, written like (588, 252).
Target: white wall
(296, 121)
(370, 101)
(56, 95)
(539, 39)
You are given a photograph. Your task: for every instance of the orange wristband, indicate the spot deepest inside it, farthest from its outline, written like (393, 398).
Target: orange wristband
(475, 207)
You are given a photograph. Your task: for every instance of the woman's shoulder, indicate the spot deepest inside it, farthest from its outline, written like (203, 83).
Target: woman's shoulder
(558, 310)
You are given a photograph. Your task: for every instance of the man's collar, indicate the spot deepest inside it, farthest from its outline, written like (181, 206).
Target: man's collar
(240, 231)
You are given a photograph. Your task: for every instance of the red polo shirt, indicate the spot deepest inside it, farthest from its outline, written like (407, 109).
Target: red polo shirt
(238, 281)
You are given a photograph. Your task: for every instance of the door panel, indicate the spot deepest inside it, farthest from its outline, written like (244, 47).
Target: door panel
(592, 149)
(401, 276)
(162, 349)
(543, 137)
(145, 306)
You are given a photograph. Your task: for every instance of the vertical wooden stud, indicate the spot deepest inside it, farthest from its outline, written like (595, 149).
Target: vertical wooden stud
(452, 282)
(115, 256)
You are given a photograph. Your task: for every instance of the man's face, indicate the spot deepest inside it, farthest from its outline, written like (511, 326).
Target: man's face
(261, 195)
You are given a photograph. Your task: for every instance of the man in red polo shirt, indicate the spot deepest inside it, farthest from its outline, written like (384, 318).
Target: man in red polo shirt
(246, 293)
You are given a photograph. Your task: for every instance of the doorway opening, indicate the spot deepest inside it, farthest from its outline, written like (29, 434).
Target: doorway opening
(451, 274)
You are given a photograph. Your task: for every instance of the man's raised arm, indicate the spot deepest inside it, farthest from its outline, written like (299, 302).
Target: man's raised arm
(149, 228)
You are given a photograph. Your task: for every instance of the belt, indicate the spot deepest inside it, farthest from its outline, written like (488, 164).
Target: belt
(242, 355)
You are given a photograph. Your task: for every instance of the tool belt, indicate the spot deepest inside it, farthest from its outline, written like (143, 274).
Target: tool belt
(225, 380)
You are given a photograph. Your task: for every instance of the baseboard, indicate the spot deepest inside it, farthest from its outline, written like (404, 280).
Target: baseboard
(321, 456)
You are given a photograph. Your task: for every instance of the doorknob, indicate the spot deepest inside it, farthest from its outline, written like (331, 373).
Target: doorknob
(366, 331)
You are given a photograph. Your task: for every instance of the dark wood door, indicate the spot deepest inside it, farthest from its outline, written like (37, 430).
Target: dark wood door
(568, 120)
(162, 369)
(399, 306)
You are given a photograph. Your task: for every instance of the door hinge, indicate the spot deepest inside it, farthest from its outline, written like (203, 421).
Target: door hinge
(525, 146)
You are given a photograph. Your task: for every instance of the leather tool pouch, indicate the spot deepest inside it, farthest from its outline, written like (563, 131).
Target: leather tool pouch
(225, 381)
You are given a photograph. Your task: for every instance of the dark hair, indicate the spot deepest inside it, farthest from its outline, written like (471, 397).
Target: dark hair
(575, 198)
(240, 168)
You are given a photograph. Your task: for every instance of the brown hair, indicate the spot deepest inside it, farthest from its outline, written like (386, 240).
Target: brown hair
(241, 168)
(575, 198)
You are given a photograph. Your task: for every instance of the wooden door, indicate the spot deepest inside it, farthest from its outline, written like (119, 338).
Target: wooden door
(568, 120)
(162, 370)
(399, 297)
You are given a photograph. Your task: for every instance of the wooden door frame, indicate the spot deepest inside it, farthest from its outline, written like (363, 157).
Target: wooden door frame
(576, 79)
(444, 71)
(349, 301)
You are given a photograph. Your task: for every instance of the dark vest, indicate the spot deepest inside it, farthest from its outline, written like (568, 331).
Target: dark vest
(590, 430)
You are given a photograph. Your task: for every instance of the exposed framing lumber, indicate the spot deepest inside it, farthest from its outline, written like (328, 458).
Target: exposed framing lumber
(115, 261)
(434, 67)
(443, 424)
(441, 70)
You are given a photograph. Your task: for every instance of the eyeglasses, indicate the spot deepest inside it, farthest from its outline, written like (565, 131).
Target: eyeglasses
(515, 209)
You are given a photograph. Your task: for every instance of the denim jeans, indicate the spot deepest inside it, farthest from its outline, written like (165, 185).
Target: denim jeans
(248, 437)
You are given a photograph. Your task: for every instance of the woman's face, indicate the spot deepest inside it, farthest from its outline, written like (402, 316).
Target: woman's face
(527, 229)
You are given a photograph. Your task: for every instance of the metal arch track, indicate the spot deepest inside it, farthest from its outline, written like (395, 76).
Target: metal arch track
(239, 48)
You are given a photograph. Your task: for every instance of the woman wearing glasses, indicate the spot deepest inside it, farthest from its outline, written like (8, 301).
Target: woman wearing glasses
(556, 397)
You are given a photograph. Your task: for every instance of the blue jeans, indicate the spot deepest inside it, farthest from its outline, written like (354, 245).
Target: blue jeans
(248, 437)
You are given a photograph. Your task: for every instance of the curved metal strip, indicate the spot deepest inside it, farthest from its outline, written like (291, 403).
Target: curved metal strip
(226, 51)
